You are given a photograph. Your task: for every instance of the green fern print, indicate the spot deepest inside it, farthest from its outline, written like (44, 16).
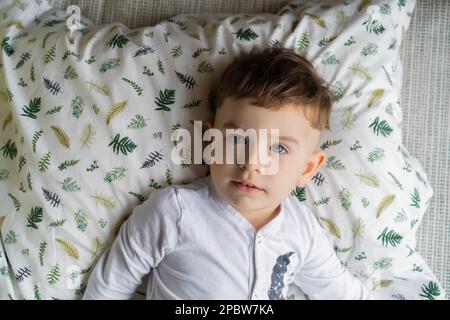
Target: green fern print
(430, 291)
(35, 217)
(390, 237)
(124, 145)
(247, 34)
(166, 98)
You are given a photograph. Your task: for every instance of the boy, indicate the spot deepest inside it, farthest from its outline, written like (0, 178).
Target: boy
(238, 233)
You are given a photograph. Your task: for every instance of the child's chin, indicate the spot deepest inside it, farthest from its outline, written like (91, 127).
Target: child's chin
(242, 202)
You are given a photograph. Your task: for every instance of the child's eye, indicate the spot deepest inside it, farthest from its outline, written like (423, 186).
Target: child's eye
(279, 148)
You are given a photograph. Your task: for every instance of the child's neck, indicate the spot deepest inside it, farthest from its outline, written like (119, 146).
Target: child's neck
(259, 219)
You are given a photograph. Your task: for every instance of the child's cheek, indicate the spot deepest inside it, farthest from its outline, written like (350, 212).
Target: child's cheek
(272, 164)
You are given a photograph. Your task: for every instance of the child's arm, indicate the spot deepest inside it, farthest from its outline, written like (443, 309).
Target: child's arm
(322, 276)
(150, 233)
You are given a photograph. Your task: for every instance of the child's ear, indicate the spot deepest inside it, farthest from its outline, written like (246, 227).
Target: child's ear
(313, 164)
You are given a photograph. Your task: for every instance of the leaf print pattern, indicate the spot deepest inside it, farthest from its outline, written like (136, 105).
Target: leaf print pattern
(9, 150)
(303, 43)
(115, 110)
(384, 204)
(69, 248)
(390, 237)
(87, 136)
(382, 127)
(54, 275)
(35, 217)
(75, 157)
(118, 40)
(100, 88)
(376, 96)
(124, 145)
(63, 138)
(105, 201)
(430, 291)
(166, 98)
(332, 227)
(247, 34)
(33, 107)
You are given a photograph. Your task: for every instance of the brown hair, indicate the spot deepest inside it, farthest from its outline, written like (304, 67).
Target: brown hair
(276, 76)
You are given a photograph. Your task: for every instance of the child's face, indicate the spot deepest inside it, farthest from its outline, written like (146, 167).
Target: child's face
(297, 159)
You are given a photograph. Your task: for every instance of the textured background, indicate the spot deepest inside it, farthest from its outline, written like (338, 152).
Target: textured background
(425, 96)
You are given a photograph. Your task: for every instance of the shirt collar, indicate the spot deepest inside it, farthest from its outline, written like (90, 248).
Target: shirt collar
(272, 226)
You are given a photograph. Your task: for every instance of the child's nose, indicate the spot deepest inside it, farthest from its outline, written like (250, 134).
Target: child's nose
(252, 160)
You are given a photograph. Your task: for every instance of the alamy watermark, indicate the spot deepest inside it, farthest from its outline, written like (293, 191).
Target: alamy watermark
(256, 144)
(73, 21)
(73, 280)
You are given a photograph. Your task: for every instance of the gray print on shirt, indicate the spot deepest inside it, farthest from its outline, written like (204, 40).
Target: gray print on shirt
(278, 271)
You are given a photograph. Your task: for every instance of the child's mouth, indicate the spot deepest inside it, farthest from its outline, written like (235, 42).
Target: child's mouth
(245, 188)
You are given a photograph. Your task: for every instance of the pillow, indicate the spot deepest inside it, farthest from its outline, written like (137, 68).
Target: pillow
(88, 114)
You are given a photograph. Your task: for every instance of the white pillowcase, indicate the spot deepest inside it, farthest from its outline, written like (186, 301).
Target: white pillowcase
(88, 114)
